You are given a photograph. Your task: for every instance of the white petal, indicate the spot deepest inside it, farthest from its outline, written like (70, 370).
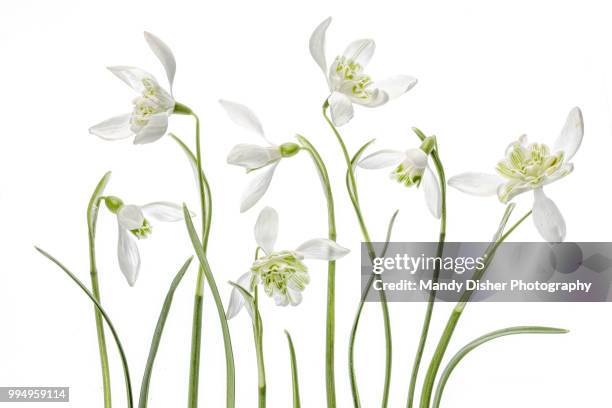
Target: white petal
(129, 258)
(381, 159)
(164, 54)
(257, 187)
(547, 218)
(341, 108)
(416, 157)
(479, 184)
(252, 156)
(317, 44)
(163, 211)
(115, 128)
(396, 85)
(242, 116)
(321, 248)
(377, 97)
(295, 296)
(266, 229)
(360, 51)
(155, 128)
(132, 76)
(130, 217)
(236, 299)
(433, 196)
(571, 135)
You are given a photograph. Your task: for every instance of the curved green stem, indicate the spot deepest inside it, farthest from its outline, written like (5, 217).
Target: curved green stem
(353, 195)
(258, 338)
(157, 334)
(294, 372)
(451, 324)
(436, 274)
(124, 363)
(331, 273)
(481, 340)
(227, 341)
(92, 217)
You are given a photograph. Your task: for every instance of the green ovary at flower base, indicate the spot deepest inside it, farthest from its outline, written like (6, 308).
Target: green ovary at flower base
(529, 167)
(283, 276)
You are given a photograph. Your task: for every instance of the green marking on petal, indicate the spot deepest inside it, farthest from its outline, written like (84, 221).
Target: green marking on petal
(281, 272)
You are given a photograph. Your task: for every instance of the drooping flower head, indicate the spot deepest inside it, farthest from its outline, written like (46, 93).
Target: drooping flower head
(134, 225)
(262, 159)
(151, 109)
(282, 274)
(347, 80)
(529, 167)
(410, 168)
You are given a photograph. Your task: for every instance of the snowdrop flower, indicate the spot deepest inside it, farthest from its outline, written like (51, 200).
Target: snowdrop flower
(148, 120)
(529, 167)
(347, 80)
(134, 225)
(255, 157)
(282, 274)
(411, 168)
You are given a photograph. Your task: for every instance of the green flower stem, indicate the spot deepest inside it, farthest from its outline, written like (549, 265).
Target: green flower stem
(451, 324)
(92, 217)
(432, 295)
(157, 334)
(294, 372)
(352, 190)
(481, 340)
(227, 341)
(330, 323)
(124, 362)
(258, 338)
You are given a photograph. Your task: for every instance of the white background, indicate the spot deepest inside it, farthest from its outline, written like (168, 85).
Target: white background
(488, 72)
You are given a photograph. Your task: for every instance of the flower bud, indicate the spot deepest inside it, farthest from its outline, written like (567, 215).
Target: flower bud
(289, 149)
(113, 203)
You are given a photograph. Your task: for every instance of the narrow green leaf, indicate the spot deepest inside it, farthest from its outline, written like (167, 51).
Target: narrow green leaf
(157, 334)
(389, 232)
(294, 372)
(227, 341)
(481, 340)
(94, 203)
(124, 362)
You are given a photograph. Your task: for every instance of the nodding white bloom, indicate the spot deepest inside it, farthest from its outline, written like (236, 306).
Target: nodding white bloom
(529, 167)
(148, 120)
(255, 157)
(282, 274)
(410, 168)
(134, 225)
(347, 80)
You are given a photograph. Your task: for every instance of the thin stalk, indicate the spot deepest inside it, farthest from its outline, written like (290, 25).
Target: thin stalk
(124, 362)
(436, 274)
(330, 323)
(353, 195)
(92, 217)
(227, 342)
(258, 338)
(294, 372)
(451, 324)
(157, 334)
(481, 340)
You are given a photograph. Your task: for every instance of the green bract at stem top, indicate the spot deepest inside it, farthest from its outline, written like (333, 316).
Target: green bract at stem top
(353, 195)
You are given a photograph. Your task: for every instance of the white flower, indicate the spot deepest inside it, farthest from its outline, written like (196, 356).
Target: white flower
(347, 81)
(528, 167)
(411, 169)
(133, 226)
(148, 120)
(282, 274)
(254, 157)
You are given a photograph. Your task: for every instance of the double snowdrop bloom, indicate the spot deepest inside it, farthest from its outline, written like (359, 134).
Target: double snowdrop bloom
(410, 168)
(134, 225)
(529, 167)
(282, 274)
(255, 157)
(148, 120)
(347, 81)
